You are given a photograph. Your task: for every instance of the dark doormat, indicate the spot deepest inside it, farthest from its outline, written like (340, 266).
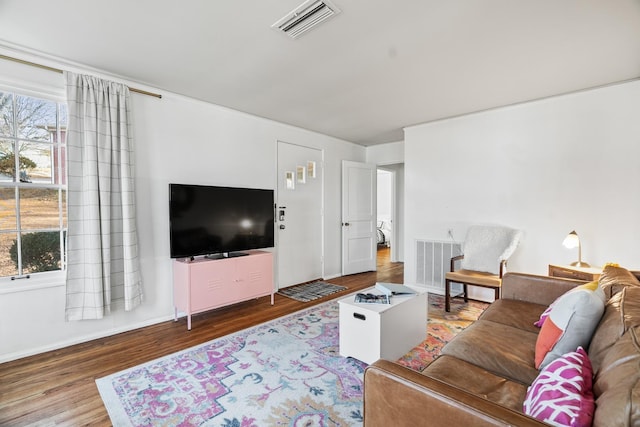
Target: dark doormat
(310, 291)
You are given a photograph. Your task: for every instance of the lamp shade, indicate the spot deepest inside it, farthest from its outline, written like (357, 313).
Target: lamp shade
(573, 241)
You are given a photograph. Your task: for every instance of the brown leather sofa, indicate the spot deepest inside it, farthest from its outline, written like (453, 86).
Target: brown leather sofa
(482, 375)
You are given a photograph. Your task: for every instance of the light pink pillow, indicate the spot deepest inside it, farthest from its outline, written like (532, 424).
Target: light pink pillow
(562, 394)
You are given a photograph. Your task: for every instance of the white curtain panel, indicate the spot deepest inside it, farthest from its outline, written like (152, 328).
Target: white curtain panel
(102, 244)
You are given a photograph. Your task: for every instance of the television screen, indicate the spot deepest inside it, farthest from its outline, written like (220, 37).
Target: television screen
(207, 220)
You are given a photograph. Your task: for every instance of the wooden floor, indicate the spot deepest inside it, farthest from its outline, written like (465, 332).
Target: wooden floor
(58, 387)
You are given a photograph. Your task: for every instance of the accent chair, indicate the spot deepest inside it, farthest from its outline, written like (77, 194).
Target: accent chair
(485, 252)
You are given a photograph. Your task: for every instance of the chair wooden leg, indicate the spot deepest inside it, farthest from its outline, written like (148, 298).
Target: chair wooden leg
(497, 294)
(447, 295)
(466, 295)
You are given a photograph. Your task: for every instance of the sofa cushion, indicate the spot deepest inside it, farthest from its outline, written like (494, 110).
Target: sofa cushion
(570, 324)
(621, 313)
(562, 394)
(613, 279)
(503, 350)
(477, 380)
(617, 385)
(519, 314)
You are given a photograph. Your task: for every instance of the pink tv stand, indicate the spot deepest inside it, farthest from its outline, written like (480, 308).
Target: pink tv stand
(204, 284)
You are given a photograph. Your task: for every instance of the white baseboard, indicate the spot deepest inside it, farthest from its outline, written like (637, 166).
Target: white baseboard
(79, 340)
(435, 290)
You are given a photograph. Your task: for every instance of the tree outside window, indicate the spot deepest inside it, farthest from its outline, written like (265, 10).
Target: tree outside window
(32, 184)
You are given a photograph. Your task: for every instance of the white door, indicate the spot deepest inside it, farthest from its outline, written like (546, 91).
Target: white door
(358, 217)
(299, 214)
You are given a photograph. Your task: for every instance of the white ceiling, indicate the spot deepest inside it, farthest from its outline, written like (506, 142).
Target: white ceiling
(361, 76)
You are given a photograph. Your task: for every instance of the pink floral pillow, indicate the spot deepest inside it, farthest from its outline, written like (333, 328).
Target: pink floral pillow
(562, 394)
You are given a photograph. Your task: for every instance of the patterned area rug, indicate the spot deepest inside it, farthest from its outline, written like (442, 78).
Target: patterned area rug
(441, 328)
(282, 373)
(310, 291)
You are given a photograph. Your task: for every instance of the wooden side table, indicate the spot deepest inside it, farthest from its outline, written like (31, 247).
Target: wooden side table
(588, 274)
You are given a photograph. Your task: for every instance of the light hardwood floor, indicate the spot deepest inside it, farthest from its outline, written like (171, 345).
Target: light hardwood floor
(58, 387)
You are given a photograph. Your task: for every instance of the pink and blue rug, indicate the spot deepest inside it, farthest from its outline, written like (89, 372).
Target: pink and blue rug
(286, 372)
(282, 373)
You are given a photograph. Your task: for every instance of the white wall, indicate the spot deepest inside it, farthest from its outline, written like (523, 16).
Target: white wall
(545, 167)
(178, 139)
(386, 154)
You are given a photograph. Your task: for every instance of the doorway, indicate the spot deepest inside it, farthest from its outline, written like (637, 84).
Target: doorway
(384, 215)
(390, 211)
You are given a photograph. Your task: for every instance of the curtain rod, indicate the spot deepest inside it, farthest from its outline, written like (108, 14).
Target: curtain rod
(57, 70)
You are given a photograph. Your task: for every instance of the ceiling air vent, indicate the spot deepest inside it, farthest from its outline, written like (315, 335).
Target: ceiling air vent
(305, 17)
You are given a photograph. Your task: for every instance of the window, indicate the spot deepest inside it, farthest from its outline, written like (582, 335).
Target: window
(33, 193)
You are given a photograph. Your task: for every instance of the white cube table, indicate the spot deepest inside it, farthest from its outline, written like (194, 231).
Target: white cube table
(371, 331)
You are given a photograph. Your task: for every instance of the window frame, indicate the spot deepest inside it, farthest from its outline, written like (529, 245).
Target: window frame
(45, 279)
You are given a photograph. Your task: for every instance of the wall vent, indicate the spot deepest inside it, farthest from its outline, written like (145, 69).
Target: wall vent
(305, 17)
(433, 261)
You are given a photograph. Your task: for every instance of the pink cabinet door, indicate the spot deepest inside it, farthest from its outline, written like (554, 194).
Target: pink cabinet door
(255, 275)
(210, 283)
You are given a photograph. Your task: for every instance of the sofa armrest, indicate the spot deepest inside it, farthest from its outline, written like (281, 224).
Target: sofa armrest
(536, 289)
(397, 396)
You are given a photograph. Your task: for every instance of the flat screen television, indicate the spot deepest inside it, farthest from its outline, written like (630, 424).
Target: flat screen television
(219, 221)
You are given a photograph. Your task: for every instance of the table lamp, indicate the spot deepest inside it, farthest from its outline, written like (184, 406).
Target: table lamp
(571, 241)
